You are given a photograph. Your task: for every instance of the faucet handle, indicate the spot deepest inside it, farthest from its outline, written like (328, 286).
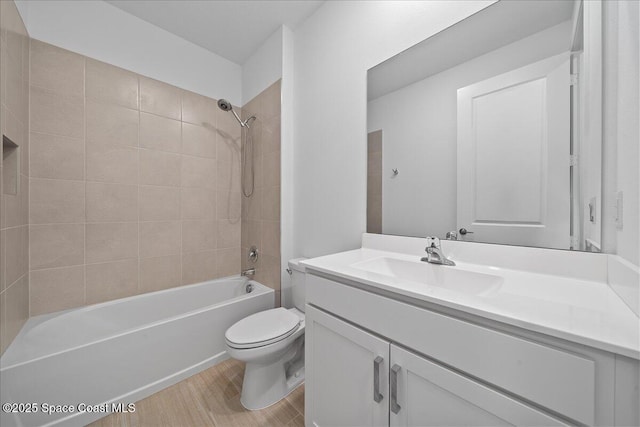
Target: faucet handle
(433, 242)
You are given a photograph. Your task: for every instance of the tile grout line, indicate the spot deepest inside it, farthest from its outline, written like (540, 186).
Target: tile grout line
(139, 108)
(84, 158)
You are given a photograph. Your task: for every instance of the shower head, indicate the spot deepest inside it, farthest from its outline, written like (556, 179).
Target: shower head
(225, 105)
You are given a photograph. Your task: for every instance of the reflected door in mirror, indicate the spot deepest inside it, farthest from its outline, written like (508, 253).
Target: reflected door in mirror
(513, 156)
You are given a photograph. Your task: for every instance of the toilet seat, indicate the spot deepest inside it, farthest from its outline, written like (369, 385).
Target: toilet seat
(263, 328)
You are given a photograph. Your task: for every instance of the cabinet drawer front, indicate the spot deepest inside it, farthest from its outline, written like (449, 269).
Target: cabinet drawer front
(431, 395)
(556, 379)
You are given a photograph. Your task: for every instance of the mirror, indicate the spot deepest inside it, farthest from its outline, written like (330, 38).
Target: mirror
(478, 132)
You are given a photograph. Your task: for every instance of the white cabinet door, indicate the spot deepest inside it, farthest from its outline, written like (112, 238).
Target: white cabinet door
(513, 156)
(428, 394)
(341, 373)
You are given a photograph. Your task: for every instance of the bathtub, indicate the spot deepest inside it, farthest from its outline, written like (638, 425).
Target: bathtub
(120, 351)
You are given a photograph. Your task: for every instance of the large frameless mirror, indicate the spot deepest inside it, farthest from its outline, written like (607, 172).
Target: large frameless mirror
(481, 132)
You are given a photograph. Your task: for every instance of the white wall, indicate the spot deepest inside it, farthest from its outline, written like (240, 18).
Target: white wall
(624, 70)
(104, 32)
(419, 135)
(263, 68)
(286, 167)
(334, 49)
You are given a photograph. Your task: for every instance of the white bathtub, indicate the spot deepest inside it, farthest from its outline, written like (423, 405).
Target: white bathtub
(121, 351)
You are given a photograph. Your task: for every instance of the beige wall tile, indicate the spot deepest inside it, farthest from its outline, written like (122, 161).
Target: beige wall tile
(56, 114)
(228, 148)
(117, 164)
(111, 84)
(271, 203)
(252, 206)
(258, 173)
(269, 272)
(271, 101)
(111, 125)
(198, 236)
(160, 273)
(374, 163)
(228, 233)
(374, 185)
(198, 109)
(3, 238)
(16, 207)
(228, 262)
(198, 267)
(56, 289)
(271, 169)
(271, 238)
(253, 234)
(160, 133)
(16, 307)
(3, 340)
(111, 241)
(56, 245)
(159, 168)
(57, 70)
(55, 156)
(228, 176)
(56, 201)
(270, 141)
(374, 141)
(198, 141)
(160, 238)
(229, 204)
(111, 143)
(197, 203)
(111, 280)
(111, 202)
(14, 97)
(158, 203)
(160, 98)
(14, 128)
(16, 253)
(198, 172)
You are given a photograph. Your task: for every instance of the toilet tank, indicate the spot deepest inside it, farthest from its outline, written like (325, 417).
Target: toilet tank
(297, 283)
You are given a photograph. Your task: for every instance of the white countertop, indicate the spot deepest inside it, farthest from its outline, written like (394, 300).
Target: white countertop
(578, 310)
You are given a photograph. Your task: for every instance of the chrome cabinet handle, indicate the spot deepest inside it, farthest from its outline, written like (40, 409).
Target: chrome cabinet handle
(377, 364)
(395, 408)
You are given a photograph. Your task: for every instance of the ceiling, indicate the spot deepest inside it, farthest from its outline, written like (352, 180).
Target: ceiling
(231, 29)
(501, 23)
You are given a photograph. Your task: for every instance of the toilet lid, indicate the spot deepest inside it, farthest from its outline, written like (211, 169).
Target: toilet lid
(262, 328)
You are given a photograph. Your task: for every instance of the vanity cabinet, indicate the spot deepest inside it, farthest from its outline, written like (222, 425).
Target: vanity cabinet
(348, 376)
(367, 348)
(357, 378)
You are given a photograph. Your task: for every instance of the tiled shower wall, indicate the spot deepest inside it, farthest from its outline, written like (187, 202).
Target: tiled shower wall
(134, 184)
(261, 211)
(14, 181)
(374, 182)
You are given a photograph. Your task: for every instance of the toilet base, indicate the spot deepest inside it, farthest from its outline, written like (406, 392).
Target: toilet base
(266, 385)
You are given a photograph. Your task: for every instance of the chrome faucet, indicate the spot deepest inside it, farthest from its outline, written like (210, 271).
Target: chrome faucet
(434, 253)
(249, 272)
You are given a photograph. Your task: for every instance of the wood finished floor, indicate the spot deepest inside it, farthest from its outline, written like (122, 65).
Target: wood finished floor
(210, 398)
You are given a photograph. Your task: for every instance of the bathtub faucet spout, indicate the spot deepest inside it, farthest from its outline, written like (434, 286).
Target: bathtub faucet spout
(249, 272)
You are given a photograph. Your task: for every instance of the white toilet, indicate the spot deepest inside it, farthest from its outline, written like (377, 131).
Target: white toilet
(271, 343)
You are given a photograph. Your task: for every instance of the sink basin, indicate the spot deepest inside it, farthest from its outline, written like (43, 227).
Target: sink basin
(447, 277)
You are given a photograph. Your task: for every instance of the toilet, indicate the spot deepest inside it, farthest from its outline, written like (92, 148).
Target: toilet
(271, 343)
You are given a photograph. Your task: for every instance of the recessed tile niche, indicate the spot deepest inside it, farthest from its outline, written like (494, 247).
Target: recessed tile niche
(9, 166)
